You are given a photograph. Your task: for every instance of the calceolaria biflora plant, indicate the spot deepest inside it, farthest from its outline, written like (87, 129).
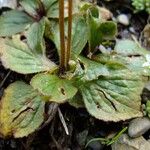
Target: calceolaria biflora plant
(107, 83)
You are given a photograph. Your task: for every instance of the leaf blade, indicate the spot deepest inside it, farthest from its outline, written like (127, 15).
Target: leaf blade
(98, 29)
(90, 70)
(16, 56)
(129, 48)
(56, 89)
(30, 6)
(21, 111)
(35, 36)
(79, 29)
(53, 11)
(13, 22)
(115, 97)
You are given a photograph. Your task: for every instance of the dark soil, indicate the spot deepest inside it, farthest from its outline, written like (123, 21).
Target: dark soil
(80, 124)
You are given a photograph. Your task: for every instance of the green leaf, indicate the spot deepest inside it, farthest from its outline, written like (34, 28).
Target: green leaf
(99, 30)
(84, 6)
(114, 98)
(140, 65)
(110, 59)
(133, 56)
(35, 35)
(101, 13)
(94, 36)
(17, 56)
(48, 3)
(136, 64)
(53, 11)
(90, 70)
(137, 58)
(79, 34)
(108, 141)
(13, 22)
(22, 110)
(141, 5)
(129, 48)
(79, 29)
(128, 54)
(30, 6)
(77, 101)
(108, 30)
(56, 89)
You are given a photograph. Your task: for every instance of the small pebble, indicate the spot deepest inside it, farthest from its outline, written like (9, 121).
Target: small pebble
(123, 19)
(138, 127)
(126, 143)
(132, 30)
(125, 34)
(8, 3)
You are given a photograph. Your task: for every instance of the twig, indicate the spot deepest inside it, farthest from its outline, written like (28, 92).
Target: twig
(135, 40)
(7, 75)
(63, 121)
(56, 143)
(30, 140)
(58, 146)
(52, 112)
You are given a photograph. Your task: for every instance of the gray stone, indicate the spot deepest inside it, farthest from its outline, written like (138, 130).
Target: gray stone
(8, 3)
(127, 143)
(123, 19)
(138, 127)
(132, 30)
(96, 145)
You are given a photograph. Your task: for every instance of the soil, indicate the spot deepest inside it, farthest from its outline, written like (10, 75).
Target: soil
(80, 124)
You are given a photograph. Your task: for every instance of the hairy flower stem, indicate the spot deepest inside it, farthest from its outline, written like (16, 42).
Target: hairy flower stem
(69, 31)
(63, 62)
